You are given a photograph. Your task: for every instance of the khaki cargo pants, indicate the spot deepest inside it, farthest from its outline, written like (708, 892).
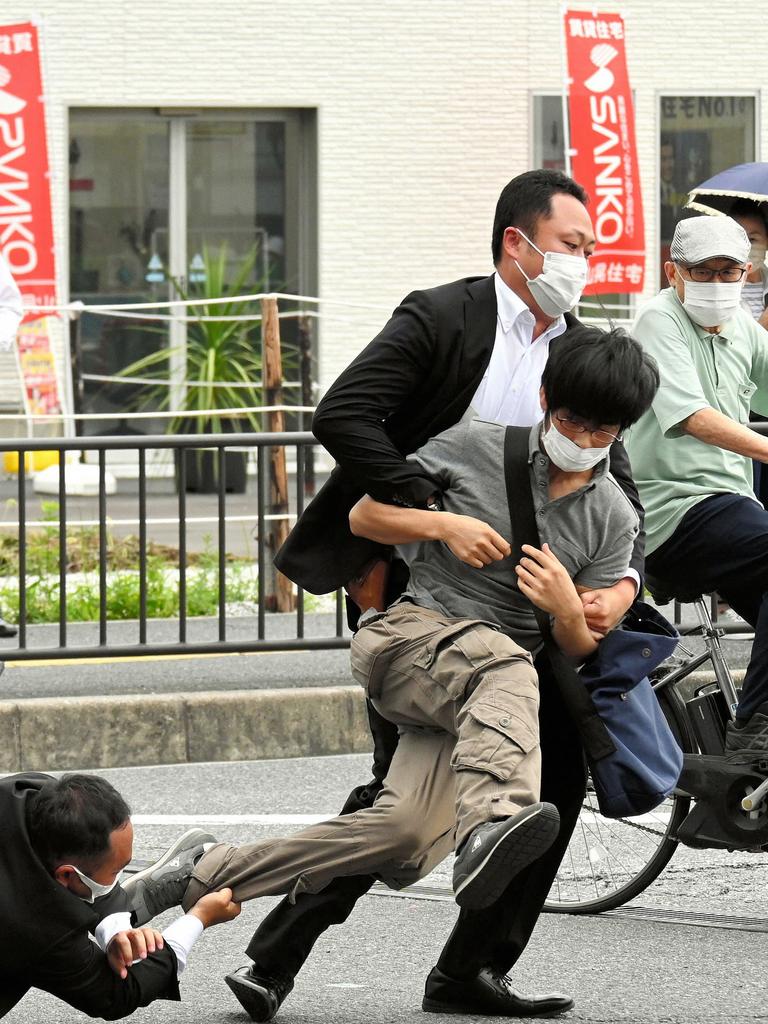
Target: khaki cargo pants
(465, 699)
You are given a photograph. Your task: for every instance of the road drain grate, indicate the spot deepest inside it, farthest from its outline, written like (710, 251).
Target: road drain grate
(658, 916)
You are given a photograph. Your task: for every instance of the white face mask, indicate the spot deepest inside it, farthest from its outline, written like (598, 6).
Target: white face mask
(558, 287)
(757, 256)
(712, 303)
(97, 889)
(567, 455)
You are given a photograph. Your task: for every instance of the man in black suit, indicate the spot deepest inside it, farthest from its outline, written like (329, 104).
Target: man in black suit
(63, 844)
(479, 342)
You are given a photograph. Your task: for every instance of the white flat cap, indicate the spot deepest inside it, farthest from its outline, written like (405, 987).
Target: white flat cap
(702, 238)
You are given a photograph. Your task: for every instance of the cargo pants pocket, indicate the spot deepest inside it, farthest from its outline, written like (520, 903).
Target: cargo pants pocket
(458, 655)
(494, 741)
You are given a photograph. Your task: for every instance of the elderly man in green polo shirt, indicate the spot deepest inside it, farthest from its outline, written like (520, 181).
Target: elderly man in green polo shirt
(691, 451)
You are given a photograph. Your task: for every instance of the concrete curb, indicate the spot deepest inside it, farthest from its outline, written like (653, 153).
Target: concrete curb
(57, 734)
(47, 734)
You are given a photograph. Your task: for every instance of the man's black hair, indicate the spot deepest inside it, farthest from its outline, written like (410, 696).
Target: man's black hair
(527, 198)
(602, 376)
(72, 818)
(749, 208)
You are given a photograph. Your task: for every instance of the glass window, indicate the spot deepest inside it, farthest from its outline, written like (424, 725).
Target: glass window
(247, 197)
(548, 143)
(699, 136)
(118, 226)
(236, 195)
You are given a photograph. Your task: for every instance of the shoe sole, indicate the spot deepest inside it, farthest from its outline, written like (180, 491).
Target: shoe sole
(252, 997)
(182, 843)
(471, 1010)
(514, 850)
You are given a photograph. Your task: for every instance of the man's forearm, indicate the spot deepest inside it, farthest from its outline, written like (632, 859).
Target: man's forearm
(572, 636)
(392, 524)
(713, 427)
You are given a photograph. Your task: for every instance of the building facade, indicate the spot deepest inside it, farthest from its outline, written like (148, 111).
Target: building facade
(354, 149)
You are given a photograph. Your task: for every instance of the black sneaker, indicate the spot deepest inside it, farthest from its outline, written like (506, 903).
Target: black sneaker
(749, 740)
(496, 851)
(162, 885)
(260, 995)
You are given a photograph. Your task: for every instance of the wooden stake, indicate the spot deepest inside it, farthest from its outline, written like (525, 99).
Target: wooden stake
(278, 592)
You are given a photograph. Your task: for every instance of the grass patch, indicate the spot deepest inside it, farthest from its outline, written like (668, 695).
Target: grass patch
(123, 591)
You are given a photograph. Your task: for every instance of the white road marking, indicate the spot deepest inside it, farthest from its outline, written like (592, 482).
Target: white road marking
(229, 819)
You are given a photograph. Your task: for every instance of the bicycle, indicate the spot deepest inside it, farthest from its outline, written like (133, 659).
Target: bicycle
(717, 804)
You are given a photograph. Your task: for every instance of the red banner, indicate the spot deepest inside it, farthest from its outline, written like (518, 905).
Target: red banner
(26, 232)
(603, 150)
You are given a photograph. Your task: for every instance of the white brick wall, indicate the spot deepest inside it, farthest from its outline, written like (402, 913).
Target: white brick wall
(423, 108)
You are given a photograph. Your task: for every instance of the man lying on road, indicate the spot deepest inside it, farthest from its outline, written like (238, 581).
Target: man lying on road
(63, 845)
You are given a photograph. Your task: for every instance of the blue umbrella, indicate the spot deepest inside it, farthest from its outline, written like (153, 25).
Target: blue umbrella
(718, 193)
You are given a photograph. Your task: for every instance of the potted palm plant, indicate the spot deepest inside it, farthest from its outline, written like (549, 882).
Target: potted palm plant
(222, 369)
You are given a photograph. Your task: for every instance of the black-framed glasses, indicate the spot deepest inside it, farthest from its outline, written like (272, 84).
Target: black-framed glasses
(705, 275)
(579, 426)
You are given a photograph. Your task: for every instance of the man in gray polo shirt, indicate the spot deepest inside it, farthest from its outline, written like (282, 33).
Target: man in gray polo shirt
(451, 654)
(691, 451)
(451, 663)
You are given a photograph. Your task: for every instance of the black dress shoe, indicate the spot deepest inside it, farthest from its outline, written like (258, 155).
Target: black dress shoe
(260, 995)
(6, 629)
(489, 993)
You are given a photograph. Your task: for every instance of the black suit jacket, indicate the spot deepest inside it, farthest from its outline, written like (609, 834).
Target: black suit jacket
(414, 380)
(44, 928)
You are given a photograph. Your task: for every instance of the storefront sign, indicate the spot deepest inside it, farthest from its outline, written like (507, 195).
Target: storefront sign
(26, 234)
(37, 368)
(603, 150)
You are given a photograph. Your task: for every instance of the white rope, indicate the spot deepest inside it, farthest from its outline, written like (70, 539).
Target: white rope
(117, 379)
(165, 318)
(76, 307)
(180, 413)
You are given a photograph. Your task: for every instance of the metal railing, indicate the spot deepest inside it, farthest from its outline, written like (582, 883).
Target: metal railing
(219, 445)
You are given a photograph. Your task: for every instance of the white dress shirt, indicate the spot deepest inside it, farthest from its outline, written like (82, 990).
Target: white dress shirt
(181, 934)
(509, 390)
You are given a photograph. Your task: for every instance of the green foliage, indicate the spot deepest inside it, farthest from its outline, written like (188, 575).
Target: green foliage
(123, 597)
(219, 354)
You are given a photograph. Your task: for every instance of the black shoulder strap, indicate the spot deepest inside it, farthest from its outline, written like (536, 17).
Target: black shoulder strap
(595, 736)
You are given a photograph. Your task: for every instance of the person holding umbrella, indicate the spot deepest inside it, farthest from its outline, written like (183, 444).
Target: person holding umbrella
(752, 217)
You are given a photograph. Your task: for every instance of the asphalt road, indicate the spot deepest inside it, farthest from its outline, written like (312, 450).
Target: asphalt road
(179, 674)
(618, 968)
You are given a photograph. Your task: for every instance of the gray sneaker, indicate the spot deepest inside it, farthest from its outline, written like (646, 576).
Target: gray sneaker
(162, 885)
(496, 851)
(749, 740)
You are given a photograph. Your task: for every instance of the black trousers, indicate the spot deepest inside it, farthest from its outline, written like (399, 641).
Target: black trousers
(722, 544)
(495, 936)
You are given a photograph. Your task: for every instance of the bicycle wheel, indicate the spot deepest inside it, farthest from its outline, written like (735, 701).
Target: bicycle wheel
(610, 860)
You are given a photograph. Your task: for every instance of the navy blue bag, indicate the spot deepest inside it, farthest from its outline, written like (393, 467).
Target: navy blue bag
(646, 763)
(634, 759)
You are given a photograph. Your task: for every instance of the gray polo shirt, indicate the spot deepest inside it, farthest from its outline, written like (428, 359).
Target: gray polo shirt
(727, 371)
(592, 531)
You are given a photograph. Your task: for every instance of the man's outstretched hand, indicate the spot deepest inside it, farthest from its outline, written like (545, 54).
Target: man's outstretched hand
(127, 946)
(215, 908)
